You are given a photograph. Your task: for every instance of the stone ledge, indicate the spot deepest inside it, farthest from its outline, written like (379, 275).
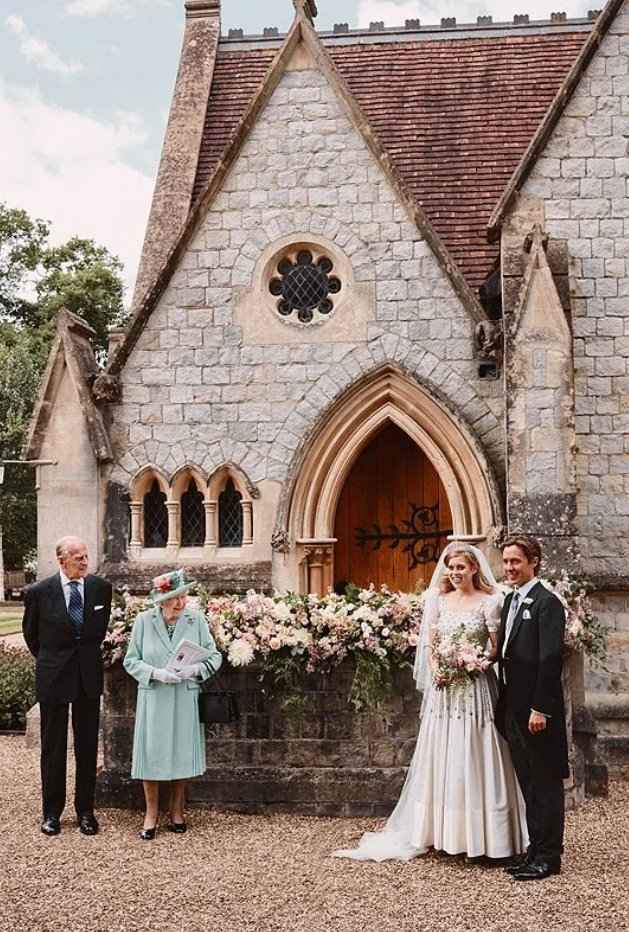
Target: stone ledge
(612, 706)
(322, 791)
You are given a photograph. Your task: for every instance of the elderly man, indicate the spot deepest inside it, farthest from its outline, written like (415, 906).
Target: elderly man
(65, 621)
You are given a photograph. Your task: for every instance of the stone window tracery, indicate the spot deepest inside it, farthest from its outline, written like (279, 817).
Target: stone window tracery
(190, 510)
(155, 517)
(230, 517)
(304, 285)
(192, 517)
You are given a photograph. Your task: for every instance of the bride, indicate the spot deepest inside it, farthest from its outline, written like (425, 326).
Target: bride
(461, 794)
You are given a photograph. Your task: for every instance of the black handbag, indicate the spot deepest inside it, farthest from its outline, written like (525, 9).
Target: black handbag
(218, 706)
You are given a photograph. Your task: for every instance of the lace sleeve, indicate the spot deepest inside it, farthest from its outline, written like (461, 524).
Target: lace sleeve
(493, 609)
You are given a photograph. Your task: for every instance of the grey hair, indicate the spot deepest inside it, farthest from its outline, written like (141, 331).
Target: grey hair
(64, 543)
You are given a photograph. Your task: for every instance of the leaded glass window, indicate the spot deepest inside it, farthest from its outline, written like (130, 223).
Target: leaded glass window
(192, 517)
(155, 517)
(305, 286)
(230, 517)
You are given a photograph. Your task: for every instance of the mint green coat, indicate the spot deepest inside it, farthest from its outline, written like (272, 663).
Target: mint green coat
(168, 739)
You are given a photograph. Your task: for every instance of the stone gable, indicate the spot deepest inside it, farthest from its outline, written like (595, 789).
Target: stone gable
(579, 192)
(200, 387)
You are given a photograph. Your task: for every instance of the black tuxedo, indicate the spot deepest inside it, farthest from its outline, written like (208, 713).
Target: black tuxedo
(68, 670)
(530, 678)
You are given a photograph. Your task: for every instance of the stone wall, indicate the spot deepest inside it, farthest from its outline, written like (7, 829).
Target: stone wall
(579, 192)
(328, 762)
(217, 377)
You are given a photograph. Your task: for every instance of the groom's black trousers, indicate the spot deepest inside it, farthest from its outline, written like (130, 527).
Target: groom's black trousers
(543, 795)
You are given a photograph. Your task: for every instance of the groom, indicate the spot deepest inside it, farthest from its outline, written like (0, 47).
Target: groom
(530, 709)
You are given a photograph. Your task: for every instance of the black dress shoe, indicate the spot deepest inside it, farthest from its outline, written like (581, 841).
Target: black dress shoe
(88, 824)
(178, 827)
(538, 870)
(148, 834)
(50, 826)
(517, 864)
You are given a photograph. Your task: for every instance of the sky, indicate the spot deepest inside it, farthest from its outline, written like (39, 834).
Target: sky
(85, 89)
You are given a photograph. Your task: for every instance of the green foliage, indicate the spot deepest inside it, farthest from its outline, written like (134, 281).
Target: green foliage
(22, 241)
(36, 280)
(20, 372)
(17, 686)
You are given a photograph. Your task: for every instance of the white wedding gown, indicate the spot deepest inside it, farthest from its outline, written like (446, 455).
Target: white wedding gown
(461, 794)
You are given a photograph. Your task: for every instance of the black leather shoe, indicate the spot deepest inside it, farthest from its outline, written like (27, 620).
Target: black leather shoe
(517, 864)
(538, 870)
(178, 827)
(88, 824)
(50, 826)
(148, 834)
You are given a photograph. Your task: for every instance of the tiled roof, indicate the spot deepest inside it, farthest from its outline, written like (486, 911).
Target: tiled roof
(455, 116)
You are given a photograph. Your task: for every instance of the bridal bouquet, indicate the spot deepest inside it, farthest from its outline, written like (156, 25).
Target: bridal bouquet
(456, 658)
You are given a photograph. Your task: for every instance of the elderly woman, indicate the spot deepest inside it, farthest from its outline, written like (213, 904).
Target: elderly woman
(168, 741)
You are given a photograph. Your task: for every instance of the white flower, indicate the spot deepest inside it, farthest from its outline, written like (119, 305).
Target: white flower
(240, 653)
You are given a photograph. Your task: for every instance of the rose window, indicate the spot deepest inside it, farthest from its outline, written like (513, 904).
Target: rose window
(305, 287)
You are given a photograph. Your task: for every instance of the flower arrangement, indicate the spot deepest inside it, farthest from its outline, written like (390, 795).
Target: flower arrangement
(290, 636)
(124, 609)
(294, 635)
(584, 632)
(456, 658)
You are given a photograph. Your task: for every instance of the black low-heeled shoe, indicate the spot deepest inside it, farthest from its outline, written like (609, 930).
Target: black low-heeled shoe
(148, 834)
(178, 827)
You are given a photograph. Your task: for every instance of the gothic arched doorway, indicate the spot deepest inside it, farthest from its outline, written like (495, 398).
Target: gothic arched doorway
(393, 515)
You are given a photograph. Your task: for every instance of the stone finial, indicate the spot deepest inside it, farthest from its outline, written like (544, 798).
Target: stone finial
(521, 19)
(106, 389)
(307, 7)
(198, 9)
(447, 22)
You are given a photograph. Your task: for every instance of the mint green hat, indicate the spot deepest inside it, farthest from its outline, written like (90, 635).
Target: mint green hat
(169, 586)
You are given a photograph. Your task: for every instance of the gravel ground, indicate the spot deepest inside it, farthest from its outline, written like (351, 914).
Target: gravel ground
(233, 873)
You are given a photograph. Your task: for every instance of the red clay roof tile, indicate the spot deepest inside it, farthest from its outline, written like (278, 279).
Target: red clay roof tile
(455, 116)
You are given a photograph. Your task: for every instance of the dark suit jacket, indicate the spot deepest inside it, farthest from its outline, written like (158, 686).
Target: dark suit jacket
(63, 662)
(530, 674)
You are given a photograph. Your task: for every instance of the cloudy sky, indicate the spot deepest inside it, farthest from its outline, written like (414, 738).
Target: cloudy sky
(85, 87)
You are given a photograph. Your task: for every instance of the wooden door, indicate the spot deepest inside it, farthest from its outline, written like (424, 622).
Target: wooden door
(391, 499)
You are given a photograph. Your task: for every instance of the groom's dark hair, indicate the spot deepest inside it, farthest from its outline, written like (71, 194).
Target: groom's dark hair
(530, 547)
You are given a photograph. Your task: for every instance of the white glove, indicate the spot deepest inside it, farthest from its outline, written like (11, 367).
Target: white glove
(190, 672)
(165, 676)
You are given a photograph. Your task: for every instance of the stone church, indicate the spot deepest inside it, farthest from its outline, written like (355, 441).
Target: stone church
(383, 300)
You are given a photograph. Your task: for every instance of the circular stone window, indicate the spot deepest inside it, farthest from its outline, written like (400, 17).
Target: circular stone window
(304, 285)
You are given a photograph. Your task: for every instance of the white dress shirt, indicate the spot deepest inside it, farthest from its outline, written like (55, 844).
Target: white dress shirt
(65, 585)
(523, 592)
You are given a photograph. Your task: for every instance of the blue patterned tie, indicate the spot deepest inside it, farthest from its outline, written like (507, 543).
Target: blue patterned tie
(75, 608)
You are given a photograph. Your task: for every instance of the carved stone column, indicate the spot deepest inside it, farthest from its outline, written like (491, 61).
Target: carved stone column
(247, 523)
(319, 559)
(173, 525)
(211, 535)
(135, 544)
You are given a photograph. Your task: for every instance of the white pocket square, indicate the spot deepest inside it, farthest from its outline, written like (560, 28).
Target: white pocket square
(526, 614)
(97, 607)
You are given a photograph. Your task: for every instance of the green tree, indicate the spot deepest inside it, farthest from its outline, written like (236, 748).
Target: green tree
(20, 372)
(36, 280)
